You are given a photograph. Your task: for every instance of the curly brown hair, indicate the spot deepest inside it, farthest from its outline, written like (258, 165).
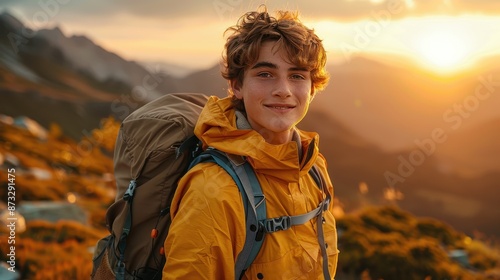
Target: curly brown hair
(302, 45)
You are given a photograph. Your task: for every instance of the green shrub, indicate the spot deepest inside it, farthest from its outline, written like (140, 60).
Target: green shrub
(387, 219)
(442, 232)
(387, 243)
(482, 257)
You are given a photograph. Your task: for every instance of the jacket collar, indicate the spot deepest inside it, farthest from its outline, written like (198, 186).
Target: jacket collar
(242, 123)
(219, 127)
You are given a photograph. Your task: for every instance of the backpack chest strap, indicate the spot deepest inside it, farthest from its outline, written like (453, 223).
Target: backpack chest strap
(286, 222)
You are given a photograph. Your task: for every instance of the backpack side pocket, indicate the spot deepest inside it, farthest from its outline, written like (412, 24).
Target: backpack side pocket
(101, 269)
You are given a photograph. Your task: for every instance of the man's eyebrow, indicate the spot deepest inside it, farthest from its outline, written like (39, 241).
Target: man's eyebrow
(265, 64)
(303, 69)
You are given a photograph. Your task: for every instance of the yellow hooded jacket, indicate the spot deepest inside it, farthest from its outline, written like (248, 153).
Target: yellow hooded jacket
(208, 227)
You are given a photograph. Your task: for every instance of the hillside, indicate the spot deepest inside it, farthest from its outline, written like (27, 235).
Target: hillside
(388, 243)
(54, 171)
(472, 150)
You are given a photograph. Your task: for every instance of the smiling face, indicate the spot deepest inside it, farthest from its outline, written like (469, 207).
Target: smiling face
(275, 92)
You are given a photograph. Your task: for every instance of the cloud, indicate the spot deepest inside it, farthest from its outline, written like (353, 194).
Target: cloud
(161, 8)
(340, 10)
(351, 10)
(481, 6)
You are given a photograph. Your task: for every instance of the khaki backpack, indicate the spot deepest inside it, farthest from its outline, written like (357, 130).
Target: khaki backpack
(146, 158)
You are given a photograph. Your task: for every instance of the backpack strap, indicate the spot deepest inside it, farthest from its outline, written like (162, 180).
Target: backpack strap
(253, 202)
(324, 205)
(256, 199)
(122, 243)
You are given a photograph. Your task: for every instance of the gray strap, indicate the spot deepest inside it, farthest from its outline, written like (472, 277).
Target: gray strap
(251, 218)
(321, 235)
(251, 192)
(255, 212)
(322, 243)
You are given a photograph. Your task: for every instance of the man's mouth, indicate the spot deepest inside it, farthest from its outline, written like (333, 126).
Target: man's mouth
(280, 106)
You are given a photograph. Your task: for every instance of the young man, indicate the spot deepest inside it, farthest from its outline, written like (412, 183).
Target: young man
(274, 66)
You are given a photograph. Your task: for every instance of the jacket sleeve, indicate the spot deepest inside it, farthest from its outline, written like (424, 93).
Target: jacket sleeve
(208, 229)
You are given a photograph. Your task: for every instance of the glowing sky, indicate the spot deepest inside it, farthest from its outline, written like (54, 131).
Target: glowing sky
(439, 34)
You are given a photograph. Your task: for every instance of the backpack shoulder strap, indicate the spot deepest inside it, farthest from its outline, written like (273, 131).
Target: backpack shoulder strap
(253, 201)
(324, 204)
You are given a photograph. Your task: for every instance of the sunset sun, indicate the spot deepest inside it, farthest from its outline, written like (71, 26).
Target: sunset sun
(443, 49)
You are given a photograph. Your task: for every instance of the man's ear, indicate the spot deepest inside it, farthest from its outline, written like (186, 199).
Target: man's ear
(236, 88)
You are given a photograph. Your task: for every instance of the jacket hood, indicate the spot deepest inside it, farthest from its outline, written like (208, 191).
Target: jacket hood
(216, 127)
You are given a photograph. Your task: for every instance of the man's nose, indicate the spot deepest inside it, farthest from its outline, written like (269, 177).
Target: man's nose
(282, 88)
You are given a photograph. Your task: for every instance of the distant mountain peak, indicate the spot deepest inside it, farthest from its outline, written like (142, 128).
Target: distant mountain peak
(53, 34)
(57, 30)
(6, 18)
(174, 70)
(82, 39)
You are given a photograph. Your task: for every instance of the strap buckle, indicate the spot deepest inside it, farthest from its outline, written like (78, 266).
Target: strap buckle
(277, 224)
(326, 204)
(129, 194)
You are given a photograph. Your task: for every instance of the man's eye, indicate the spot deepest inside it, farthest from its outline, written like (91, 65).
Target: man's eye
(264, 75)
(298, 77)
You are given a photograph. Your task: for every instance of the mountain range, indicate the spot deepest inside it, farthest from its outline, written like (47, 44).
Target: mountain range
(373, 118)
